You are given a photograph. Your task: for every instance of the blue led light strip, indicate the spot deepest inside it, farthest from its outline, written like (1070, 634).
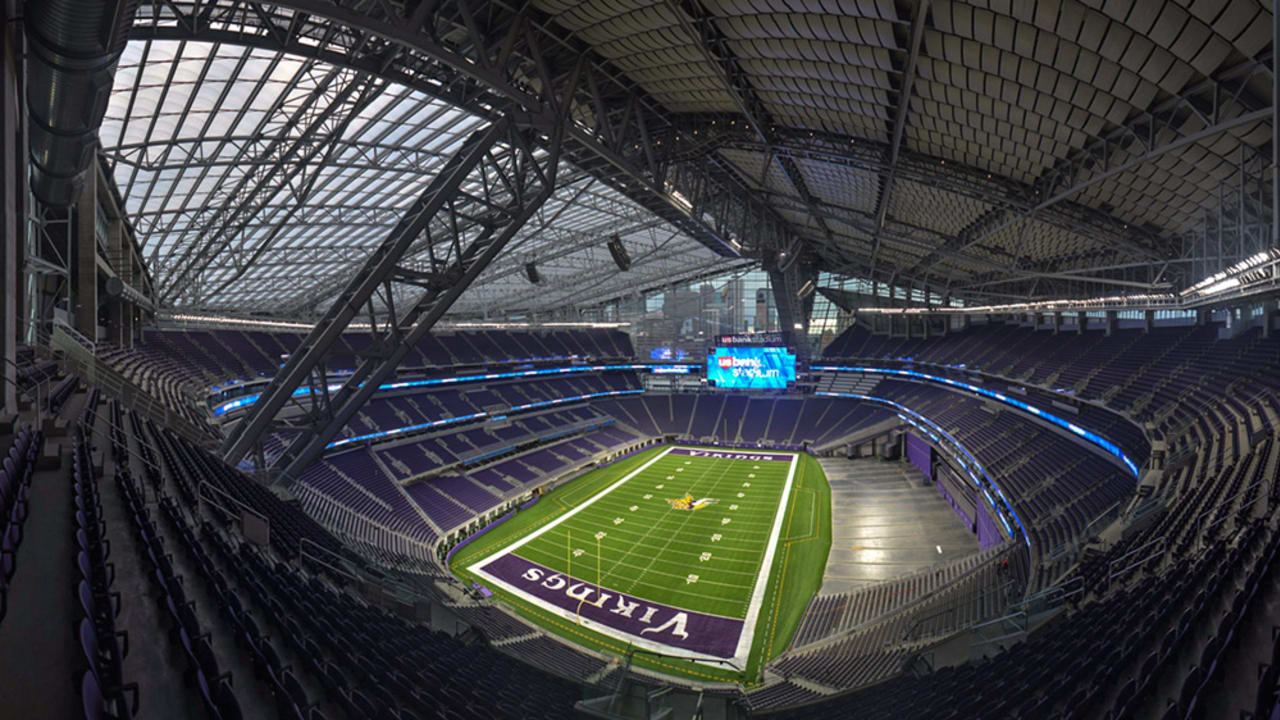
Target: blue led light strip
(1092, 437)
(968, 461)
(247, 400)
(475, 416)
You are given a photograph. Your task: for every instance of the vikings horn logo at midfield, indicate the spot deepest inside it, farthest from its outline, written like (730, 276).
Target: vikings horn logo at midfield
(688, 503)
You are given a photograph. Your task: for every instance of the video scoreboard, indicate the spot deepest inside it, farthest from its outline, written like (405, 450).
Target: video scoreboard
(751, 362)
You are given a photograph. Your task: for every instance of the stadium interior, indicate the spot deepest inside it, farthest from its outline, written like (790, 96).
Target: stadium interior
(639, 359)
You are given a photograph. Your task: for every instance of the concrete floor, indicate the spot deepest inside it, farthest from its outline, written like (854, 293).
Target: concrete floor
(39, 652)
(885, 524)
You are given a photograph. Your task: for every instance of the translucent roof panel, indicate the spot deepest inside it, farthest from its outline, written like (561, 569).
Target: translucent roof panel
(259, 182)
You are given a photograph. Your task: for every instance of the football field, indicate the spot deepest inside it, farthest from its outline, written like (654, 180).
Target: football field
(675, 552)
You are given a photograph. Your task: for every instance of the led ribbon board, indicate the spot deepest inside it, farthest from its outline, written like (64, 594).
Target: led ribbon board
(1110, 447)
(247, 400)
(751, 367)
(476, 416)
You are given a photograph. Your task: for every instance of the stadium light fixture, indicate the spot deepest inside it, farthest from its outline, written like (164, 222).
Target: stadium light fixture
(1250, 273)
(1245, 272)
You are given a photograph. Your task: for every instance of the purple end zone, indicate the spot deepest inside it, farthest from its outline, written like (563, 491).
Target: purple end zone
(731, 454)
(679, 629)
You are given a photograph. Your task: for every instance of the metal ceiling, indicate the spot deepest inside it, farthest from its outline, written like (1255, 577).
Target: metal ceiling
(1002, 148)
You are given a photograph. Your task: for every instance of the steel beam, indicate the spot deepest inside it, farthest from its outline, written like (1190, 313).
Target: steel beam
(205, 151)
(921, 9)
(858, 154)
(714, 46)
(497, 179)
(482, 58)
(306, 138)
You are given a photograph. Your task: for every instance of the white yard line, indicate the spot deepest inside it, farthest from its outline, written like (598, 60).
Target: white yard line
(672, 532)
(745, 639)
(556, 523)
(757, 596)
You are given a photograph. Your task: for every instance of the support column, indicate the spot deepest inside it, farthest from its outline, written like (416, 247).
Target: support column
(1082, 319)
(518, 180)
(85, 266)
(1111, 322)
(1203, 315)
(1057, 322)
(117, 307)
(13, 204)
(1148, 320)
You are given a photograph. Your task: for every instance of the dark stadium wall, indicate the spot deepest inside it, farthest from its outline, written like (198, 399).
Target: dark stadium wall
(13, 198)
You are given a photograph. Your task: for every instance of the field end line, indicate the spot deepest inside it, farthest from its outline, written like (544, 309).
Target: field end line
(522, 541)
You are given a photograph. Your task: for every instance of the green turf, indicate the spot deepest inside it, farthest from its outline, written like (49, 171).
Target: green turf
(705, 560)
(655, 549)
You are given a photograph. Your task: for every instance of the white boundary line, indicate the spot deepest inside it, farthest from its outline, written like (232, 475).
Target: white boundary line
(747, 636)
(762, 581)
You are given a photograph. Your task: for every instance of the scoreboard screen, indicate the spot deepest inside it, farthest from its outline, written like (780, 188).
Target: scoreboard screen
(751, 367)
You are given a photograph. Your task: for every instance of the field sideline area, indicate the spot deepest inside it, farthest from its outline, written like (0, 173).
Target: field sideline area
(676, 551)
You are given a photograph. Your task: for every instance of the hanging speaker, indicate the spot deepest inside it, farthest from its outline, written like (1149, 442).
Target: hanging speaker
(532, 273)
(619, 253)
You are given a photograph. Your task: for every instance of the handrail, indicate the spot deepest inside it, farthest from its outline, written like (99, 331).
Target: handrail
(97, 373)
(956, 604)
(1232, 498)
(387, 585)
(315, 558)
(1053, 595)
(1112, 573)
(139, 455)
(1200, 532)
(915, 603)
(205, 484)
(76, 335)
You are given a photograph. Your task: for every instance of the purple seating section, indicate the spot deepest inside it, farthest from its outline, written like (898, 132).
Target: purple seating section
(365, 486)
(734, 419)
(1171, 376)
(1056, 487)
(439, 507)
(266, 609)
(546, 652)
(450, 499)
(159, 374)
(828, 615)
(1212, 395)
(224, 355)
(354, 481)
(1143, 621)
(388, 413)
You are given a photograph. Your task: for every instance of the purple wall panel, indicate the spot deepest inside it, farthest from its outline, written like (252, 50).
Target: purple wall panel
(968, 521)
(920, 454)
(988, 535)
